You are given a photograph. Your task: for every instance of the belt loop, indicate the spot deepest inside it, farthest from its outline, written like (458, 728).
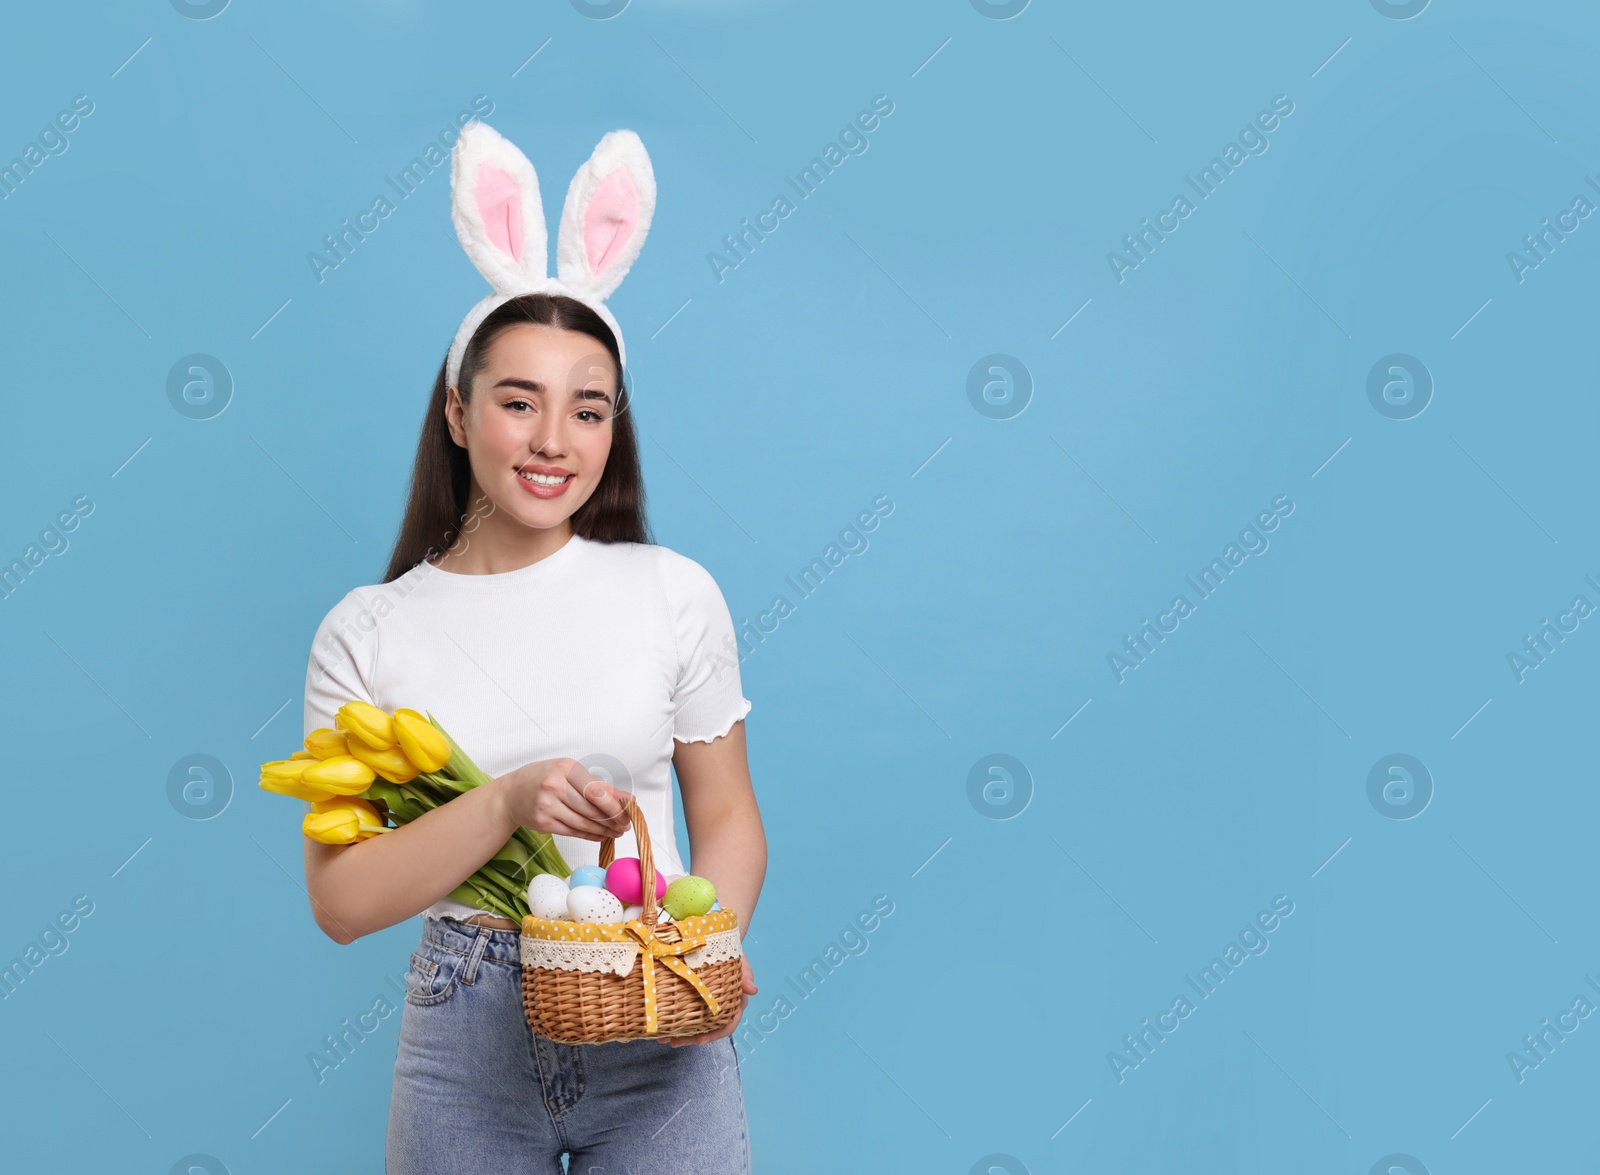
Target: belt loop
(479, 945)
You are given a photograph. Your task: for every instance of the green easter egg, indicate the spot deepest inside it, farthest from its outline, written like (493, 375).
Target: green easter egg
(689, 897)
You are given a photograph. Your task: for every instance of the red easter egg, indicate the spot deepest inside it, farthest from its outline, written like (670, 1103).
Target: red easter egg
(623, 880)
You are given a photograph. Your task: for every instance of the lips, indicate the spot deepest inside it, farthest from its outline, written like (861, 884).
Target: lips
(539, 481)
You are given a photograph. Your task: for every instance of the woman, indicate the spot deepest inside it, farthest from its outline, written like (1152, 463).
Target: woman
(526, 608)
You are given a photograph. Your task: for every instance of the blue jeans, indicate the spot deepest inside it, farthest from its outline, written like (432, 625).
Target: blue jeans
(476, 1091)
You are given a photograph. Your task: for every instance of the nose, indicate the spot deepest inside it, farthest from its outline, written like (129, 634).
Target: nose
(549, 436)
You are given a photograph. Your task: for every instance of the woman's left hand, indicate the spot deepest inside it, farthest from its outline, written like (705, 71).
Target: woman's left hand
(748, 985)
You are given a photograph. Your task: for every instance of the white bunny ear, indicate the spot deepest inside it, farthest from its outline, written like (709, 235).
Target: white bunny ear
(607, 214)
(494, 201)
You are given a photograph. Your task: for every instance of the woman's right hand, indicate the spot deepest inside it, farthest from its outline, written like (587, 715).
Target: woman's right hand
(560, 796)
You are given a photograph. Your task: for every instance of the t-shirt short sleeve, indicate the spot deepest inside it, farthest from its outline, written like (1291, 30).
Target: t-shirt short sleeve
(343, 653)
(708, 696)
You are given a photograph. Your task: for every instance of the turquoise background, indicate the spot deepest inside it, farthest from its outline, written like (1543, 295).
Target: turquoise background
(1163, 811)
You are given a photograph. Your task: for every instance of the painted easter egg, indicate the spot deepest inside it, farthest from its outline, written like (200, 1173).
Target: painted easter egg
(547, 896)
(587, 875)
(593, 903)
(622, 879)
(689, 896)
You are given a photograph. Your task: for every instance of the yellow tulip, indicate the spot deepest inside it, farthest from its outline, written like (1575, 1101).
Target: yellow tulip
(325, 743)
(367, 723)
(285, 768)
(286, 777)
(342, 822)
(390, 764)
(421, 740)
(297, 791)
(302, 755)
(343, 775)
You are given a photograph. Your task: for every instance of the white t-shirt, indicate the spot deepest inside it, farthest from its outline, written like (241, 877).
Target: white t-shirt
(601, 652)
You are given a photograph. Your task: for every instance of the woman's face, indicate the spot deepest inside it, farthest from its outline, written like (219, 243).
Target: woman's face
(538, 428)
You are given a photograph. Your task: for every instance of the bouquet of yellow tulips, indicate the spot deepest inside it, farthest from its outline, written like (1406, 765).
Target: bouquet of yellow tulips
(374, 767)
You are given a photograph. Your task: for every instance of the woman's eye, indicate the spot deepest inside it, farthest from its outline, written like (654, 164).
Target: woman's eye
(593, 416)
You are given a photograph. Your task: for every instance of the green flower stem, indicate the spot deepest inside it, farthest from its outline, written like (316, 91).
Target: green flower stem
(507, 894)
(489, 896)
(461, 765)
(545, 853)
(478, 898)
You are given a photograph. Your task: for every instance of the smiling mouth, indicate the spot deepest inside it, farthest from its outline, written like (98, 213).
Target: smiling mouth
(544, 479)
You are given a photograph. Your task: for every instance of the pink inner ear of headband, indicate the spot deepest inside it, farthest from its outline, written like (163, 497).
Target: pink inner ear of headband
(500, 209)
(610, 219)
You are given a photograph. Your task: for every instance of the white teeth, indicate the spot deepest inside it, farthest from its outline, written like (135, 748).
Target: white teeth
(542, 479)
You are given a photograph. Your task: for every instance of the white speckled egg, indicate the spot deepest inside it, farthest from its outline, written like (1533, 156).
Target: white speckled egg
(547, 896)
(593, 903)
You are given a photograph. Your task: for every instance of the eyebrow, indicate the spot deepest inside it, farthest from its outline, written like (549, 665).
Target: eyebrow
(533, 385)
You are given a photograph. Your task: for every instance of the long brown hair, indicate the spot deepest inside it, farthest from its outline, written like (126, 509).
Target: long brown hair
(441, 478)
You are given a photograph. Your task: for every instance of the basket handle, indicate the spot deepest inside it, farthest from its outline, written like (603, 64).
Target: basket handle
(647, 863)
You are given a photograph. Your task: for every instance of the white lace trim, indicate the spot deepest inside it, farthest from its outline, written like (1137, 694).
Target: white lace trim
(720, 945)
(618, 957)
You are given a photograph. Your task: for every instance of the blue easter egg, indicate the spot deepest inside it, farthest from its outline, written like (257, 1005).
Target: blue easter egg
(587, 875)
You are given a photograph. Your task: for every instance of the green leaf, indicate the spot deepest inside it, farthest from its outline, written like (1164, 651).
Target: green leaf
(514, 854)
(388, 794)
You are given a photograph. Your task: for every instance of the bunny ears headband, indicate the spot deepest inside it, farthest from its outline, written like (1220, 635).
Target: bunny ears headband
(499, 219)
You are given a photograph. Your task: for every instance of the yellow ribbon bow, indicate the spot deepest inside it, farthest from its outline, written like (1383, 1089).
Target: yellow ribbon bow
(652, 949)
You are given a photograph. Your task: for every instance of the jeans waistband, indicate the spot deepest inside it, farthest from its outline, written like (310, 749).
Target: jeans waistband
(462, 938)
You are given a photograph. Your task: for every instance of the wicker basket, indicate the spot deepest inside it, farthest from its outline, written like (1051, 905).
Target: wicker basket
(586, 984)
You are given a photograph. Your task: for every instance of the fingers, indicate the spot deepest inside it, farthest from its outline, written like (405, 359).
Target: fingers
(558, 827)
(595, 805)
(602, 803)
(563, 821)
(569, 801)
(716, 1034)
(704, 1037)
(592, 806)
